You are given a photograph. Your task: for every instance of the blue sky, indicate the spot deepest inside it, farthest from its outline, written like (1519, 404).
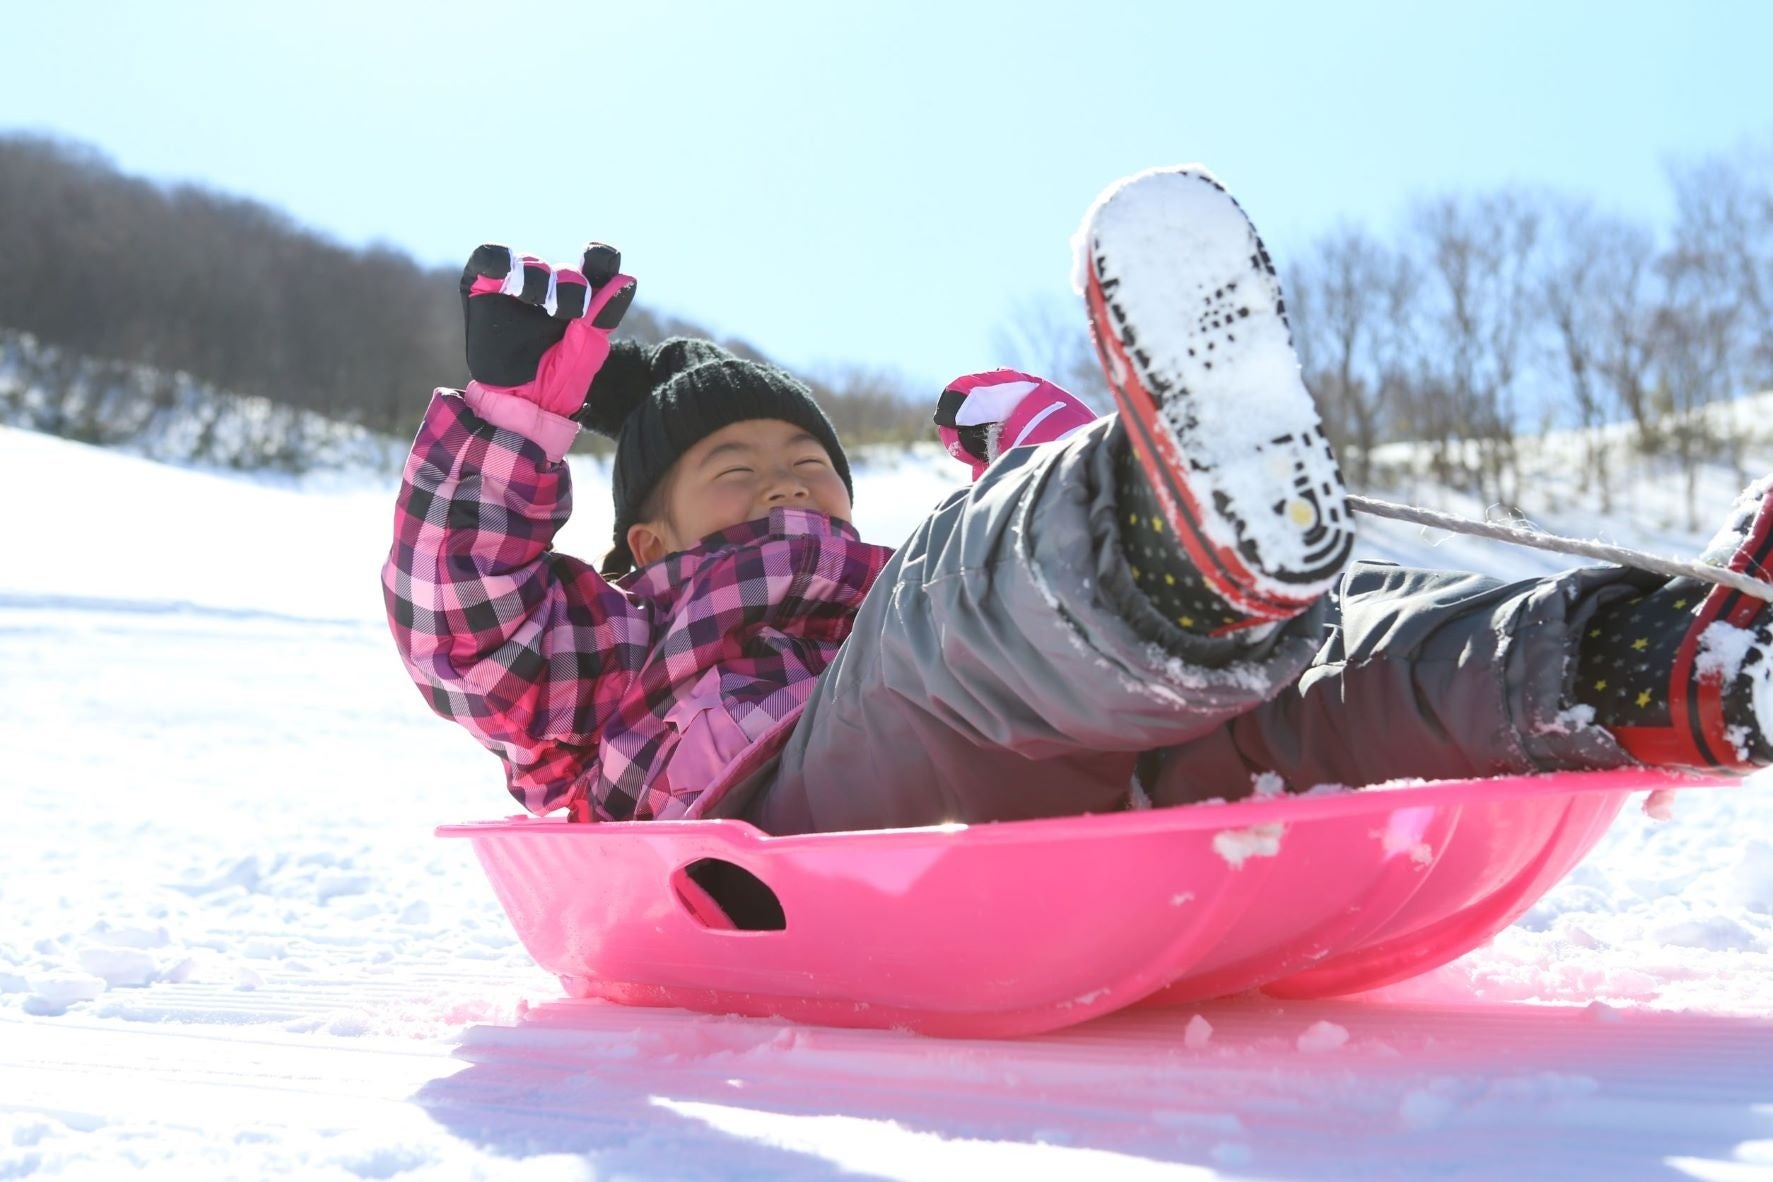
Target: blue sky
(875, 184)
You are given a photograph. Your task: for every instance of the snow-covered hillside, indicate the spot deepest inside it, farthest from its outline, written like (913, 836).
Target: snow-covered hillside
(230, 946)
(172, 416)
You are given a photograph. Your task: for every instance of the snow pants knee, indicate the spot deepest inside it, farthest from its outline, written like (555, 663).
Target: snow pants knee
(1005, 667)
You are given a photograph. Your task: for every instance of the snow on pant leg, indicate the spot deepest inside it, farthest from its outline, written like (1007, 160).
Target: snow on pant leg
(1422, 673)
(1004, 667)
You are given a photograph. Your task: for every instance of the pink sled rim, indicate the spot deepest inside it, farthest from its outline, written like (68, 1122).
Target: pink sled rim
(1019, 927)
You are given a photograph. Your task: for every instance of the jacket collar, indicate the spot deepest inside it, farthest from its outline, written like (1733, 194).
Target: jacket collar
(671, 570)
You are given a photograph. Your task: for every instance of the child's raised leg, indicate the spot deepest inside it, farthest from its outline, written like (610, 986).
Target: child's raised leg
(1130, 588)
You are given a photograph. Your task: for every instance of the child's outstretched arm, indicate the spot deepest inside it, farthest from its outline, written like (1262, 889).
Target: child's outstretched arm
(982, 415)
(529, 650)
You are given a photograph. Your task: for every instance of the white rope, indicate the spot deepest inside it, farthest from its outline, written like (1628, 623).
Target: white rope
(1538, 539)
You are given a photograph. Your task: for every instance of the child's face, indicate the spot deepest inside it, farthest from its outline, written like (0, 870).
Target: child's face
(735, 475)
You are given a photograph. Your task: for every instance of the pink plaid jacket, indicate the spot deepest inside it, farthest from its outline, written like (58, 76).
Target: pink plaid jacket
(643, 699)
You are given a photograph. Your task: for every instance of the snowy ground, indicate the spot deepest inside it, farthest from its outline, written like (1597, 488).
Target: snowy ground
(230, 946)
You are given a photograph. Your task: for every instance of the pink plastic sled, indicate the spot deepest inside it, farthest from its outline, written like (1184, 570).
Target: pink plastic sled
(1026, 926)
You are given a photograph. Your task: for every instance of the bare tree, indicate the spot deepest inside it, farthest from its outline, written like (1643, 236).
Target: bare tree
(1478, 254)
(1702, 330)
(1351, 310)
(1593, 285)
(1724, 231)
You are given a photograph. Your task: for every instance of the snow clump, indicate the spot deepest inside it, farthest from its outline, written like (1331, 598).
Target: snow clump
(1258, 841)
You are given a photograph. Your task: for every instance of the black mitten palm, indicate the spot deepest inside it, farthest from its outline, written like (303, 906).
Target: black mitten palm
(542, 332)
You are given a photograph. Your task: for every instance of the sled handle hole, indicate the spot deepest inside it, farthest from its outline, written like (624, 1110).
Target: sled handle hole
(726, 897)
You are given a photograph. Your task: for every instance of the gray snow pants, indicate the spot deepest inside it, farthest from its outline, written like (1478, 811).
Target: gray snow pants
(1005, 667)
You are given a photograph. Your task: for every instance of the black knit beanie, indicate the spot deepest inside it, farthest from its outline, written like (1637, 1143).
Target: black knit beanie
(659, 402)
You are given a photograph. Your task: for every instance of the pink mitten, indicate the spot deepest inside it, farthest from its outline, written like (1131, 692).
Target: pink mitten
(982, 415)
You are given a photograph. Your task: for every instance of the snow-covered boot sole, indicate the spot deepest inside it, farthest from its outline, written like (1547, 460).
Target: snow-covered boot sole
(1188, 318)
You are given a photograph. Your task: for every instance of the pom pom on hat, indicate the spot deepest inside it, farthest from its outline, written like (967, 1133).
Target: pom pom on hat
(631, 374)
(620, 386)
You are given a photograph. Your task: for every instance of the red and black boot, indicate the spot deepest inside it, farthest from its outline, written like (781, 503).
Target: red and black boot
(1683, 676)
(1233, 507)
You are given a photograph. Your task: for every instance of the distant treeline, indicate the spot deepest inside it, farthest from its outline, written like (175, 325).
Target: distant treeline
(1481, 317)
(185, 279)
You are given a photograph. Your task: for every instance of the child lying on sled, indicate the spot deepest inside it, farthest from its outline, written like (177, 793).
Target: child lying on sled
(1152, 604)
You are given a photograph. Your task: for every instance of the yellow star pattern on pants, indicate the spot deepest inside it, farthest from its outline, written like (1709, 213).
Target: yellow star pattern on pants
(1638, 655)
(1627, 657)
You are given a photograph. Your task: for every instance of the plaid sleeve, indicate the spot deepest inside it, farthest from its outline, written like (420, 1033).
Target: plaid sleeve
(529, 650)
